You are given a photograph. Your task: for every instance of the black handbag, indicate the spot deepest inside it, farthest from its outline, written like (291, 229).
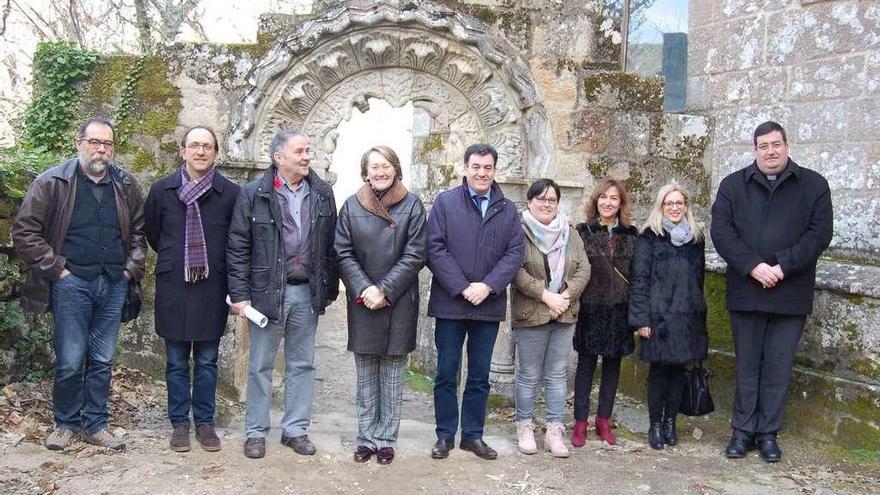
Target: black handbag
(132, 306)
(696, 400)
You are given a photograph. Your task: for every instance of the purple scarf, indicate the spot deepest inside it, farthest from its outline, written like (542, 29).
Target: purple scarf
(195, 251)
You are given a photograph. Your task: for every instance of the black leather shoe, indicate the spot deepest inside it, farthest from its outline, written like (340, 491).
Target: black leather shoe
(363, 453)
(769, 449)
(479, 448)
(655, 436)
(301, 444)
(670, 436)
(255, 448)
(385, 455)
(740, 443)
(442, 447)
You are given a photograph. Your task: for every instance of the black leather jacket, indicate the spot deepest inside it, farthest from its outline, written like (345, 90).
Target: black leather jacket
(255, 250)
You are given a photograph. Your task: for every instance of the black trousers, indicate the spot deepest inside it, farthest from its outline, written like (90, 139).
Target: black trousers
(665, 385)
(765, 345)
(583, 384)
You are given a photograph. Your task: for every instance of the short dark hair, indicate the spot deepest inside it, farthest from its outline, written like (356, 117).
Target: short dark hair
(386, 153)
(540, 186)
(481, 150)
(97, 119)
(278, 142)
(767, 128)
(211, 131)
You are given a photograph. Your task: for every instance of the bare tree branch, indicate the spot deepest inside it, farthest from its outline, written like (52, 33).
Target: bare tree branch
(6, 11)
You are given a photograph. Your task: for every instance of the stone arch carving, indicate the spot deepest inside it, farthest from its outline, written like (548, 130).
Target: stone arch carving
(473, 86)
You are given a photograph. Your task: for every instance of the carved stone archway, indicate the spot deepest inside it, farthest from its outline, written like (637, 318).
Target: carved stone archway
(472, 86)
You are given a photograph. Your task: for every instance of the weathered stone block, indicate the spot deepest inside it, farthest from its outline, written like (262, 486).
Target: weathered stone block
(679, 136)
(728, 159)
(828, 78)
(821, 30)
(845, 168)
(844, 330)
(737, 125)
(557, 84)
(857, 222)
(870, 81)
(583, 131)
(821, 122)
(760, 86)
(873, 173)
(624, 91)
(704, 12)
(734, 45)
(737, 8)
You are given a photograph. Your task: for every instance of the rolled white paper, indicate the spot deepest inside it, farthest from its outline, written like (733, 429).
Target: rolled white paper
(252, 314)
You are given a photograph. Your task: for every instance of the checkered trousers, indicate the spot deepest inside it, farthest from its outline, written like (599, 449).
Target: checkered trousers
(379, 397)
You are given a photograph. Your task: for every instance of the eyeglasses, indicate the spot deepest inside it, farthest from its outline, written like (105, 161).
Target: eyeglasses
(777, 145)
(200, 147)
(546, 201)
(674, 204)
(94, 143)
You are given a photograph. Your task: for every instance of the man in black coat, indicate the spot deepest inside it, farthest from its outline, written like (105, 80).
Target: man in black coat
(187, 224)
(281, 261)
(770, 222)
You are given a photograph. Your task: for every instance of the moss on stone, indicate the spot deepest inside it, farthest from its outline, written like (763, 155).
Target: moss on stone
(109, 76)
(867, 368)
(628, 91)
(433, 142)
(599, 167)
(717, 317)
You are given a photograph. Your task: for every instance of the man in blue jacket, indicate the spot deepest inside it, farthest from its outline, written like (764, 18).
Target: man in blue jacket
(475, 248)
(770, 221)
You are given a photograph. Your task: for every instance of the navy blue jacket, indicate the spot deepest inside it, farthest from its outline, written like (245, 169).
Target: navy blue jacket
(790, 224)
(464, 247)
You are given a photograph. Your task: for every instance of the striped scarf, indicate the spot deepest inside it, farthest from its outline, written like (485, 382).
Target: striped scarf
(195, 251)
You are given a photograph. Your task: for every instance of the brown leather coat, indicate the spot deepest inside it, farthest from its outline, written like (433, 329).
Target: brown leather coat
(42, 221)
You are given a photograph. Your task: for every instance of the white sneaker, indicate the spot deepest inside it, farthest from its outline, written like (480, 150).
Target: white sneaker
(525, 437)
(59, 439)
(554, 440)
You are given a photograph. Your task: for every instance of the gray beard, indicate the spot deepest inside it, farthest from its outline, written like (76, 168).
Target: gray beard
(97, 167)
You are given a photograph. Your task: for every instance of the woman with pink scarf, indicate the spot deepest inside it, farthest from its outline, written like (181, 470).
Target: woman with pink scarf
(545, 303)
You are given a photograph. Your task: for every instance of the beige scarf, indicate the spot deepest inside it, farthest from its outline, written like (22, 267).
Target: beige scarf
(379, 207)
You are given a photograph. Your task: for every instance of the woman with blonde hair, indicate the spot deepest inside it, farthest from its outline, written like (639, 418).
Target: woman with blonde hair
(667, 306)
(602, 328)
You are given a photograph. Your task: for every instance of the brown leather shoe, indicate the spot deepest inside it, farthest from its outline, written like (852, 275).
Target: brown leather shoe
(363, 453)
(255, 448)
(208, 438)
(180, 438)
(301, 444)
(385, 455)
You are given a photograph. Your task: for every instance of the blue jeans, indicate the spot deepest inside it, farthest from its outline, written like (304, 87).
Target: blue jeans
(87, 314)
(449, 337)
(202, 397)
(542, 352)
(297, 325)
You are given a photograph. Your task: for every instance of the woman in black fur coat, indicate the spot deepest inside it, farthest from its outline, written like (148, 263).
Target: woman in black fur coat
(602, 327)
(666, 304)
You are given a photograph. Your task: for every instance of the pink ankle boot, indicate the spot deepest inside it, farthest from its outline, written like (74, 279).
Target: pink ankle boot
(579, 433)
(603, 429)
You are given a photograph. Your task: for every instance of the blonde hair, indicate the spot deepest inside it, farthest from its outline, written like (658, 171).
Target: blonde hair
(655, 218)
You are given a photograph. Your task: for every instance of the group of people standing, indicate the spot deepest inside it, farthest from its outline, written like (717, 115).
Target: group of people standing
(277, 245)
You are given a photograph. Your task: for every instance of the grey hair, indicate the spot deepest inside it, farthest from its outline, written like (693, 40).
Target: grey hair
(278, 142)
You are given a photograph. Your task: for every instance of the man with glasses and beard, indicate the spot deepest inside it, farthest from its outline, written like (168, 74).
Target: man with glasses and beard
(80, 233)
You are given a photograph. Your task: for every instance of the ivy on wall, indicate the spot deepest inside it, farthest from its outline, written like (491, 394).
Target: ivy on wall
(59, 69)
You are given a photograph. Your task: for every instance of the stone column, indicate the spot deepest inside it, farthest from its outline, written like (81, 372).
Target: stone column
(503, 362)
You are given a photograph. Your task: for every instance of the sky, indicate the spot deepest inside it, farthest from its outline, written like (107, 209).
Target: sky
(669, 16)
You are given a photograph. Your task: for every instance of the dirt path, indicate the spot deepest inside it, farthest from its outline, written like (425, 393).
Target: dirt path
(695, 467)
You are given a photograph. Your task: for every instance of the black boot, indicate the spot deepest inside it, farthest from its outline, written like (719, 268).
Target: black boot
(655, 436)
(670, 436)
